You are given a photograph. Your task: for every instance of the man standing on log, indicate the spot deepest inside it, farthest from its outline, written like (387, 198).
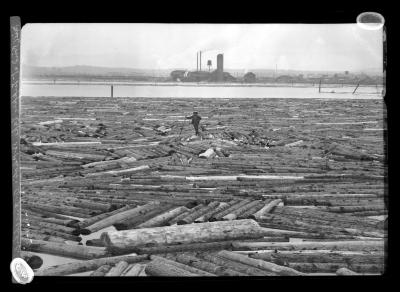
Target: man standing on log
(195, 121)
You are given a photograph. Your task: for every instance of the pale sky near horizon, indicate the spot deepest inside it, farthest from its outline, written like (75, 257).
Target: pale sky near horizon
(322, 47)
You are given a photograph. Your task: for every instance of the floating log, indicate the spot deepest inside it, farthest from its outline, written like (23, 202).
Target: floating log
(188, 247)
(144, 216)
(221, 214)
(350, 209)
(163, 218)
(47, 213)
(235, 213)
(48, 226)
(184, 214)
(67, 144)
(372, 245)
(252, 210)
(319, 257)
(64, 222)
(89, 265)
(162, 268)
(95, 242)
(34, 234)
(266, 209)
(190, 233)
(345, 272)
(194, 215)
(118, 217)
(67, 210)
(89, 221)
(33, 260)
(135, 270)
(222, 206)
(333, 267)
(236, 266)
(101, 271)
(188, 268)
(206, 266)
(48, 231)
(260, 264)
(120, 172)
(118, 269)
(62, 249)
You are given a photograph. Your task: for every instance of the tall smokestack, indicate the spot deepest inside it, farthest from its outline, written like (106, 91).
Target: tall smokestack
(197, 61)
(200, 60)
(220, 67)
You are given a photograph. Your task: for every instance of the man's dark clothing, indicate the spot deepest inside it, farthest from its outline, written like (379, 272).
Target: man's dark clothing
(195, 121)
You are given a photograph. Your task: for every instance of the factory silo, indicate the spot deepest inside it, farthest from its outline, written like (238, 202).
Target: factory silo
(220, 67)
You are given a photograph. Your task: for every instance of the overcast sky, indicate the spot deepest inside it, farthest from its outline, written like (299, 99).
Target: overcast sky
(245, 46)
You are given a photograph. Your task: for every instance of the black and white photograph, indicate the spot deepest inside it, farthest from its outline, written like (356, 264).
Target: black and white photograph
(203, 149)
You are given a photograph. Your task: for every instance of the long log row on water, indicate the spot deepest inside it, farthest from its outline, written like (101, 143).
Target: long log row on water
(269, 187)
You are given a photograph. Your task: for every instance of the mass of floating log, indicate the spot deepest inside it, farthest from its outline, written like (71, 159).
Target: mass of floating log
(90, 164)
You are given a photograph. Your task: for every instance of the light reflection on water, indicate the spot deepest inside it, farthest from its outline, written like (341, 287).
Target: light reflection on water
(203, 91)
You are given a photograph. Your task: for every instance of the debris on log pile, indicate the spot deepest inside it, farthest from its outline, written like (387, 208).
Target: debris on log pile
(122, 187)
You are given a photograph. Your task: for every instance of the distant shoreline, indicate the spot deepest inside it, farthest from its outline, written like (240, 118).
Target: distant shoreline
(192, 84)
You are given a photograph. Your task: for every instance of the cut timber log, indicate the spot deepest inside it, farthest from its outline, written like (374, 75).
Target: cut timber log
(121, 216)
(333, 267)
(101, 271)
(66, 144)
(184, 214)
(33, 234)
(260, 264)
(319, 257)
(234, 265)
(120, 172)
(206, 266)
(189, 247)
(266, 209)
(161, 268)
(222, 206)
(194, 215)
(236, 213)
(190, 233)
(135, 270)
(62, 249)
(143, 216)
(163, 218)
(33, 260)
(252, 210)
(372, 245)
(118, 269)
(345, 272)
(221, 214)
(189, 268)
(95, 242)
(90, 265)
(89, 221)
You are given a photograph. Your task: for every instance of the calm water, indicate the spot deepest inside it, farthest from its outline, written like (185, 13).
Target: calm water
(196, 91)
